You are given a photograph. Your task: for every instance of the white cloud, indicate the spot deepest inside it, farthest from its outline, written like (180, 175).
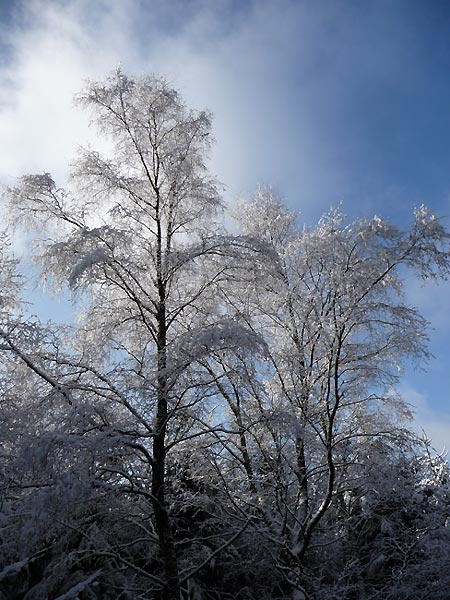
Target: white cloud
(51, 54)
(273, 73)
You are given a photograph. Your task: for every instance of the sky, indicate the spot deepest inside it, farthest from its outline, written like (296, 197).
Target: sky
(329, 102)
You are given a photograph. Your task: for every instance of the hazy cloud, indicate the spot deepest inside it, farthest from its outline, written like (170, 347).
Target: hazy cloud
(294, 86)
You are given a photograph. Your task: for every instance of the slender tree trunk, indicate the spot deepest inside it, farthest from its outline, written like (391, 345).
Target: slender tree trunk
(160, 509)
(162, 518)
(302, 478)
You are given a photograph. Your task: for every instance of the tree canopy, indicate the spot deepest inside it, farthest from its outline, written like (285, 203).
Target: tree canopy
(222, 419)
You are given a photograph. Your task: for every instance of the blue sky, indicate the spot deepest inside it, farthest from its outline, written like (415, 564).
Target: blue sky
(332, 101)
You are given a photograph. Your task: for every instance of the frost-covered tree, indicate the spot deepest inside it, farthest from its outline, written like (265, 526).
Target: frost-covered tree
(221, 421)
(137, 235)
(328, 302)
(391, 524)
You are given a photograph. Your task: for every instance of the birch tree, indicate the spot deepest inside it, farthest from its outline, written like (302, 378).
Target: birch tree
(137, 236)
(329, 304)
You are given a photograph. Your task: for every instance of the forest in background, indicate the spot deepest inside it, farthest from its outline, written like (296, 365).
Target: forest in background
(222, 420)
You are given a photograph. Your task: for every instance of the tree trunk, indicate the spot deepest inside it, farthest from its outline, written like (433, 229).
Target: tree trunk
(162, 518)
